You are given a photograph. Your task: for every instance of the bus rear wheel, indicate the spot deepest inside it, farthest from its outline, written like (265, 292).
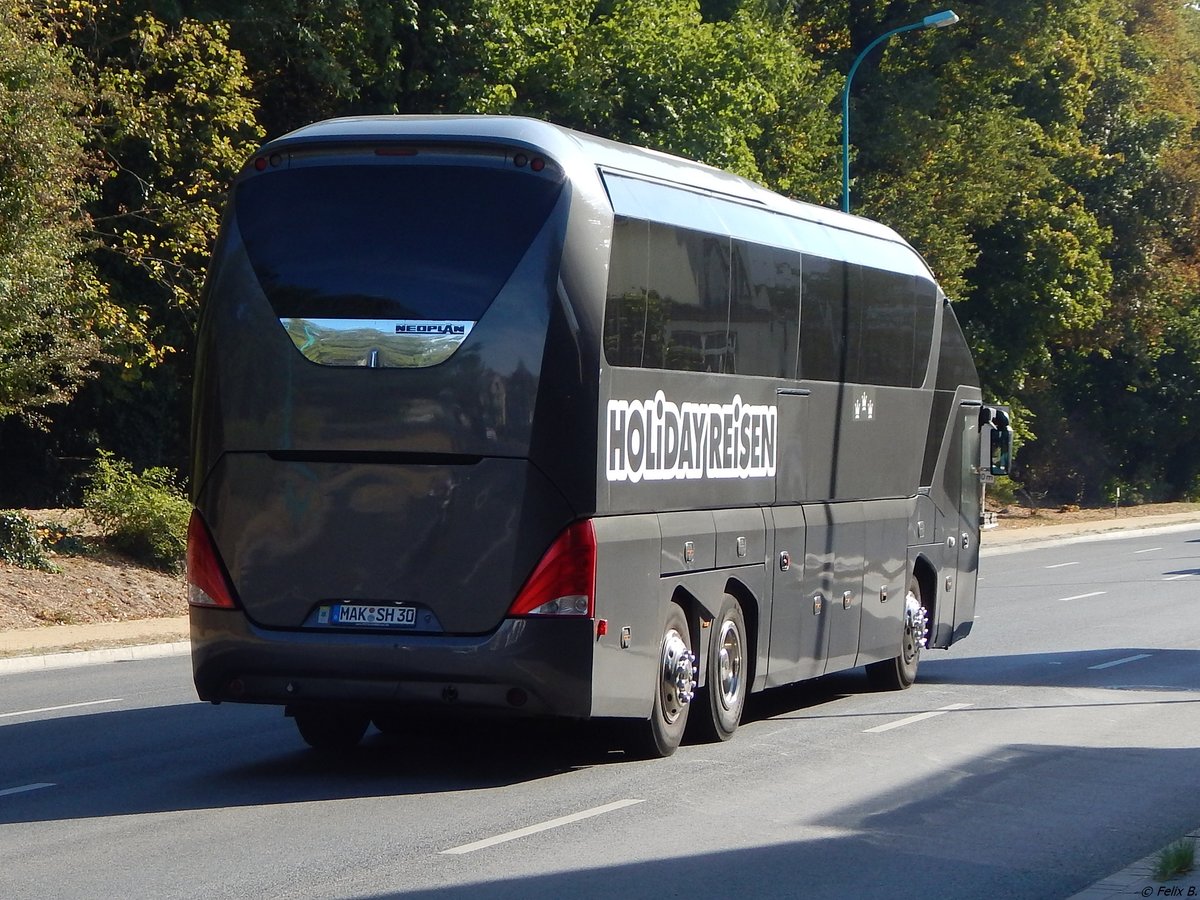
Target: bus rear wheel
(721, 700)
(900, 672)
(674, 688)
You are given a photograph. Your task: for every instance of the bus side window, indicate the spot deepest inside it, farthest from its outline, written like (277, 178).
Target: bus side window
(764, 315)
(823, 320)
(626, 314)
(689, 276)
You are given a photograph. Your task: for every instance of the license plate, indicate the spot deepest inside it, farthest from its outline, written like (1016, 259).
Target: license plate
(373, 616)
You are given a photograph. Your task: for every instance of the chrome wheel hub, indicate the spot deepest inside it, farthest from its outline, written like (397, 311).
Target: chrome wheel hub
(916, 626)
(678, 684)
(729, 664)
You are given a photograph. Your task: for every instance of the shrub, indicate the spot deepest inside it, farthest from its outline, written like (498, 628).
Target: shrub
(21, 542)
(1175, 859)
(1003, 491)
(145, 516)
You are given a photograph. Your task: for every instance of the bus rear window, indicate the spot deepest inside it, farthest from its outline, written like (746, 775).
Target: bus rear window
(389, 242)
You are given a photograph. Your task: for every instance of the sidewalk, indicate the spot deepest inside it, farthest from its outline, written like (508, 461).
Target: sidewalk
(63, 646)
(1005, 537)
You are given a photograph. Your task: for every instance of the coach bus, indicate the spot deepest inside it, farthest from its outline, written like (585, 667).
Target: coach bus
(492, 416)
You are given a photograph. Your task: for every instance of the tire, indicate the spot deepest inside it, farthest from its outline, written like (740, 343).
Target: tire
(674, 687)
(391, 723)
(331, 730)
(900, 672)
(720, 702)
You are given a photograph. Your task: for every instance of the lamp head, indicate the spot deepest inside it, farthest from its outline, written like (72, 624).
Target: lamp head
(940, 19)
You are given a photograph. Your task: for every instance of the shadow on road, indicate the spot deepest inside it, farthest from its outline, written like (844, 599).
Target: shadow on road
(196, 756)
(1023, 821)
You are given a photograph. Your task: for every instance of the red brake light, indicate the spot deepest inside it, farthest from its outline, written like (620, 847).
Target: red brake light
(564, 582)
(208, 585)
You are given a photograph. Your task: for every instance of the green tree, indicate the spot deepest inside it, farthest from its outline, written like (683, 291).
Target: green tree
(739, 92)
(52, 308)
(171, 116)
(176, 119)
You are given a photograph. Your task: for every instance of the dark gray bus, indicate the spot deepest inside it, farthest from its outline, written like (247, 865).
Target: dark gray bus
(495, 416)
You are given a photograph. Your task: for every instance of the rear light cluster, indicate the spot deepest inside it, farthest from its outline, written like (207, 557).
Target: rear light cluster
(521, 160)
(275, 160)
(208, 585)
(564, 582)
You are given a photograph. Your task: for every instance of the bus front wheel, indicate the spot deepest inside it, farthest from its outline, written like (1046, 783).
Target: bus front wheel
(900, 672)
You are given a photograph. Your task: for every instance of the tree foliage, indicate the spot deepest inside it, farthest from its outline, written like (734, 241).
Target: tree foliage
(51, 305)
(174, 119)
(1044, 156)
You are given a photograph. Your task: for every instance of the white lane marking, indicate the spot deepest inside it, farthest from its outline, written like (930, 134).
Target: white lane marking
(1082, 596)
(1121, 662)
(1180, 575)
(1061, 565)
(919, 717)
(45, 709)
(25, 787)
(1147, 550)
(544, 826)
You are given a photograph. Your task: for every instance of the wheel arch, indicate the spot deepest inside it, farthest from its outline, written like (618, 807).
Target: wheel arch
(697, 612)
(926, 574)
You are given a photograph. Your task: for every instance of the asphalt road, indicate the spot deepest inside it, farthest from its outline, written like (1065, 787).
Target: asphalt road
(1052, 747)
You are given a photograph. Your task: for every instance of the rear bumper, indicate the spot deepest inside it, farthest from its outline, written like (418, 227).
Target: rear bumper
(525, 667)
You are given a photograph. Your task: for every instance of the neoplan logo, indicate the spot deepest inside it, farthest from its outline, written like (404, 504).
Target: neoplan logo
(659, 440)
(430, 328)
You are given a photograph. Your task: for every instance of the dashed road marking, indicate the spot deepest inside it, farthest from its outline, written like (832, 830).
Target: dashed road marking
(25, 788)
(919, 717)
(1121, 662)
(1061, 565)
(1082, 596)
(46, 709)
(543, 826)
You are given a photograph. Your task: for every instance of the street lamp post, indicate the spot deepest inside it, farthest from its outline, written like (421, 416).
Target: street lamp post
(937, 20)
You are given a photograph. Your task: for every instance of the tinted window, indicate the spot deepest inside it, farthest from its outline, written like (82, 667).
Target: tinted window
(955, 365)
(888, 328)
(668, 298)
(823, 313)
(626, 316)
(689, 289)
(865, 325)
(764, 312)
(688, 300)
(401, 242)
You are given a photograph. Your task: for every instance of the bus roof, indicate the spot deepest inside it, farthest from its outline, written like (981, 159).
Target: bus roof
(570, 147)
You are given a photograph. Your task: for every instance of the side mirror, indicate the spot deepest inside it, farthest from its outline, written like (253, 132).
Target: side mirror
(995, 440)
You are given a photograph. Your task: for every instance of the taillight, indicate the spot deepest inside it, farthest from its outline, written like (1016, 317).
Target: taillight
(208, 585)
(564, 582)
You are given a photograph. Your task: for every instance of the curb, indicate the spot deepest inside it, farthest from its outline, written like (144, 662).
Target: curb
(17, 665)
